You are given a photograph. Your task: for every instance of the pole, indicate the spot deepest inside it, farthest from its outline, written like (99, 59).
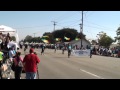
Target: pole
(34, 35)
(54, 26)
(54, 23)
(82, 21)
(82, 30)
(81, 34)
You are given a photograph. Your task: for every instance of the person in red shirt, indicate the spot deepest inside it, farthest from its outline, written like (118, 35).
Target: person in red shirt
(30, 62)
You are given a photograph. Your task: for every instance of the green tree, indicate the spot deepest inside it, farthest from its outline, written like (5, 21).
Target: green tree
(38, 39)
(65, 32)
(62, 33)
(81, 35)
(49, 37)
(28, 39)
(117, 38)
(104, 39)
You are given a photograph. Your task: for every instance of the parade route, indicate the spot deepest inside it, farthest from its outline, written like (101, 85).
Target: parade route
(59, 66)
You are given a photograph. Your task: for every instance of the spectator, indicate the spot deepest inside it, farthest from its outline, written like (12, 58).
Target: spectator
(1, 59)
(18, 65)
(30, 62)
(11, 54)
(8, 39)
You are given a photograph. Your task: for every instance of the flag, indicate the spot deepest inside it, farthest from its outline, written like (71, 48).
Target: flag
(66, 38)
(45, 36)
(77, 38)
(45, 41)
(57, 39)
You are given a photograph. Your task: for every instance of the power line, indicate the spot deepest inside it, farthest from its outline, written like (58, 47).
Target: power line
(72, 24)
(69, 21)
(31, 27)
(87, 15)
(65, 17)
(97, 24)
(98, 28)
(61, 17)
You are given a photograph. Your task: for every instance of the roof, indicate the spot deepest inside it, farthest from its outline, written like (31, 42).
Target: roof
(75, 41)
(4, 28)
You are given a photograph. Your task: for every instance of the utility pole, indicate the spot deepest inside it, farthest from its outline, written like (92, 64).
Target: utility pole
(34, 34)
(82, 21)
(81, 34)
(81, 30)
(54, 23)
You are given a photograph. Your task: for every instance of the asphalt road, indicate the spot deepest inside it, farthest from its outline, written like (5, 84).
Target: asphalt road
(59, 66)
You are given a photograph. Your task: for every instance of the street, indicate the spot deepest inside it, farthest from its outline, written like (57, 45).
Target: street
(59, 66)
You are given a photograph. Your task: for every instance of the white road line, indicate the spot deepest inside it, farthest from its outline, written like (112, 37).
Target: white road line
(91, 74)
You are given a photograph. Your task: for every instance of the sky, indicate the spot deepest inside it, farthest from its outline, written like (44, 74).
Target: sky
(39, 22)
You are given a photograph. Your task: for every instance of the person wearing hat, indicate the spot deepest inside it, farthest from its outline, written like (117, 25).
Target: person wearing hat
(30, 62)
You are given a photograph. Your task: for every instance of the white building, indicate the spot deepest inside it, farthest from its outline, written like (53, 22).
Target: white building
(78, 43)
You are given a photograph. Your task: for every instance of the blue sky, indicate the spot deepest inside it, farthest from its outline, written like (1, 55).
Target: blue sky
(38, 22)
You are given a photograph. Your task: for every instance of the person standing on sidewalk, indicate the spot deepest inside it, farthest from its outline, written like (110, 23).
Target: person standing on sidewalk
(30, 62)
(18, 65)
(1, 59)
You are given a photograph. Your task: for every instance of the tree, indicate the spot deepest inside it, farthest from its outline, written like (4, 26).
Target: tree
(81, 35)
(104, 40)
(117, 38)
(65, 32)
(49, 37)
(13, 38)
(62, 34)
(28, 39)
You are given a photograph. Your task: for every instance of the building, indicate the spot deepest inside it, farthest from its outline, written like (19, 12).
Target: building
(85, 43)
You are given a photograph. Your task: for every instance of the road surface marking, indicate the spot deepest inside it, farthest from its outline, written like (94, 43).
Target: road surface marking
(91, 74)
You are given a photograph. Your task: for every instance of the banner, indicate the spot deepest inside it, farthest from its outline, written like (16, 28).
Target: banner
(81, 52)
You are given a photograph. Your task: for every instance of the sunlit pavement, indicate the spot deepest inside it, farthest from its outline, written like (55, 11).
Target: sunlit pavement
(59, 66)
